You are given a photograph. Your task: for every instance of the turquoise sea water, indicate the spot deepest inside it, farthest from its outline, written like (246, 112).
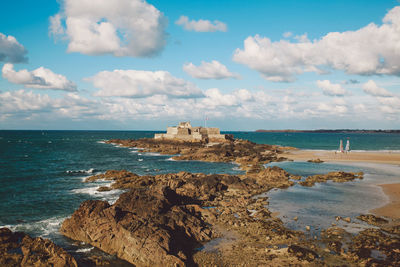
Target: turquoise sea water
(325, 141)
(42, 172)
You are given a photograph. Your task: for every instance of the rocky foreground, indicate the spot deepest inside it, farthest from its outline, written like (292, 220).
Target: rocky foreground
(171, 218)
(19, 249)
(187, 219)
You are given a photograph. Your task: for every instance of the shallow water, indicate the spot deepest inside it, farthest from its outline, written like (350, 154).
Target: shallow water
(318, 206)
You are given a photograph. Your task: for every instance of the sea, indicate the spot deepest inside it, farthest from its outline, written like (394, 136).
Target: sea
(42, 177)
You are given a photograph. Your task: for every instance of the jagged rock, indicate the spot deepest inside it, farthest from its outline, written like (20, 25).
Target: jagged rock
(272, 177)
(19, 249)
(144, 227)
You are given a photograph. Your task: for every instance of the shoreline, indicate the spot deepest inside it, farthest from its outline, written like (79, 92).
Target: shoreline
(392, 208)
(382, 157)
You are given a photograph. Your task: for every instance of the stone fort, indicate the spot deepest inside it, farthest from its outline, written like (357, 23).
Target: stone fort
(185, 132)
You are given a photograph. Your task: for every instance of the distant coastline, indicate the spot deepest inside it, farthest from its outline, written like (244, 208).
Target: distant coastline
(328, 131)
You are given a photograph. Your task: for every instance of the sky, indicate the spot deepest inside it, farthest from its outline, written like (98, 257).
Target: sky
(146, 65)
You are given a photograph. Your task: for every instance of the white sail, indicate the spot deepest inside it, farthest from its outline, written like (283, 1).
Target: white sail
(347, 149)
(341, 146)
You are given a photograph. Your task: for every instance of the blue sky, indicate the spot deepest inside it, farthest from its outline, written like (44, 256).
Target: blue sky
(99, 68)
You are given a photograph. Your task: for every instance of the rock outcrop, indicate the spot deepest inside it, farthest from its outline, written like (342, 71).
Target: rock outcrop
(315, 160)
(144, 227)
(19, 249)
(249, 155)
(337, 177)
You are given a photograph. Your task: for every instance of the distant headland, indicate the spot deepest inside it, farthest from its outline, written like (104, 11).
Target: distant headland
(328, 131)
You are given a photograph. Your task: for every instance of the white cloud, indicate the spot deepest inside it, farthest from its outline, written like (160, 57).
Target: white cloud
(118, 27)
(56, 28)
(201, 25)
(239, 105)
(331, 89)
(11, 50)
(138, 84)
(287, 34)
(27, 104)
(23, 101)
(370, 50)
(209, 70)
(371, 88)
(40, 78)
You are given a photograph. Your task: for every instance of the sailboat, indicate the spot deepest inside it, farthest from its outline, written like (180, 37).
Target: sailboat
(341, 146)
(347, 148)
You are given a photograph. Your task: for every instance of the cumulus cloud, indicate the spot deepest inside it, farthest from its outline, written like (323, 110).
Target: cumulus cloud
(118, 27)
(25, 105)
(370, 50)
(40, 78)
(201, 25)
(371, 88)
(138, 84)
(11, 50)
(331, 89)
(209, 70)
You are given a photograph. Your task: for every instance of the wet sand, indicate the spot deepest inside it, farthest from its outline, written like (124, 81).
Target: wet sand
(392, 209)
(331, 156)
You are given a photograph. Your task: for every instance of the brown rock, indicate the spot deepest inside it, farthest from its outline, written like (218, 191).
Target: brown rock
(144, 227)
(372, 219)
(337, 177)
(302, 253)
(19, 249)
(315, 160)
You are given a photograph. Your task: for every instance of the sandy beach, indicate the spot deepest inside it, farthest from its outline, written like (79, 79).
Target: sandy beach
(392, 209)
(330, 156)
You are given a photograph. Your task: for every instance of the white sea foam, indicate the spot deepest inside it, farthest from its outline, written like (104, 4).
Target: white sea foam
(110, 196)
(90, 171)
(153, 154)
(101, 142)
(140, 159)
(84, 250)
(41, 228)
(170, 159)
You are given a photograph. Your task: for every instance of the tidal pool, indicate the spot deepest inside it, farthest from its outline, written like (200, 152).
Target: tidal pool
(318, 206)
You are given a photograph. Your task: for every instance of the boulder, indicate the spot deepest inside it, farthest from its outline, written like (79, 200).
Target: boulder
(19, 249)
(144, 227)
